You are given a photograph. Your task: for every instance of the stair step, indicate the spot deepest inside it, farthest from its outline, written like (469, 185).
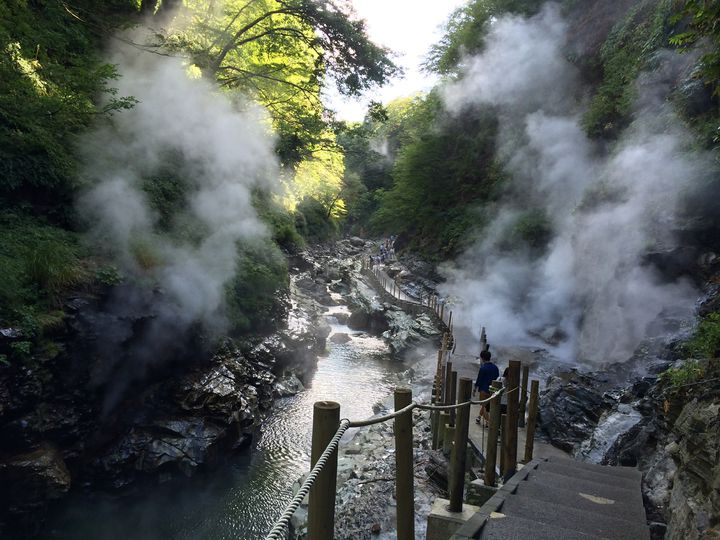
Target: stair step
(573, 518)
(619, 494)
(593, 475)
(503, 528)
(625, 472)
(569, 496)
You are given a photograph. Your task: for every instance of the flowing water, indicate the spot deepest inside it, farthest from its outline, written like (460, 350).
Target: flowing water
(242, 499)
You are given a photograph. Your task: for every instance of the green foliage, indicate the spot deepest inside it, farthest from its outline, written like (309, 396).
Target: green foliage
(50, 74)
(622, 56)
(166, 191)
(39, 263)
(108, 275)
(688, 373)
(531, 230)
(313, 221)
(706, 341)
(279, 53)
(257, 294)
(280, 221)
(701, 18)
(466, 29)
(444, 170)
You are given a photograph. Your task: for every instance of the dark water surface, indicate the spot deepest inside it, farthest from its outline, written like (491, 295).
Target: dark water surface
(241, 500)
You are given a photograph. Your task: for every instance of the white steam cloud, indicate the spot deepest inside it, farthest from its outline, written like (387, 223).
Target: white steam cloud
(591, 295)
(209, 153)
(222, 149)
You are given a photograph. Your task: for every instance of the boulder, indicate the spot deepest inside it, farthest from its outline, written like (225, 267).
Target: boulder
(570, 409)
(33, 477)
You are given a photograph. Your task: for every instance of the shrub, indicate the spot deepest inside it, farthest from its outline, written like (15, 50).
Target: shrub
(706, 341)
(690, 372)
(257, 294)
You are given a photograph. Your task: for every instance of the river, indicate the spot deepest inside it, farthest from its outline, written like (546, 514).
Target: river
(242, 499)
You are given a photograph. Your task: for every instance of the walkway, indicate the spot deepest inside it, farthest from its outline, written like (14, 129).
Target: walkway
(553, 497)
(563, 499)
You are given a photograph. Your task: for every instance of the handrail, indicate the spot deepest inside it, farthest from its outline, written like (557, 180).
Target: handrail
(278, 530)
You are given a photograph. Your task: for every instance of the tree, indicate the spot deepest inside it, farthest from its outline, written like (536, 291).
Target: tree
(280, 53)
(703, 28)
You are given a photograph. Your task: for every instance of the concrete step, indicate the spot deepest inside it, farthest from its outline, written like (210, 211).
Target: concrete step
(503, 528)
(592, 475)
(624, 472)
(621, 495)
(574, 519)
(570, 497)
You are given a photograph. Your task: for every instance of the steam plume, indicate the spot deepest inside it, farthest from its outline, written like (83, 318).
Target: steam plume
(590, 294)
(221, 151)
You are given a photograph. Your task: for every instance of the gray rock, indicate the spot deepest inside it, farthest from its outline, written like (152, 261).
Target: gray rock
(34, 476)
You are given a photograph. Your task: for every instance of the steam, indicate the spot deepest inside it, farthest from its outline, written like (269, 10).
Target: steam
(590, 294)
(222, 151)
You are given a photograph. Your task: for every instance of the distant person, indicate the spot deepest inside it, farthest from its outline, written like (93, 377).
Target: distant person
(503, 398)
(487, 374)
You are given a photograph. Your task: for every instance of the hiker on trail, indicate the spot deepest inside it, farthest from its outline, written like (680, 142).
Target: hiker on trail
(487, 374)
(503, 398)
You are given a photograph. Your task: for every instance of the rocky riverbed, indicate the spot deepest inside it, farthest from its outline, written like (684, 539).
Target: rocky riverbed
(87, 421)
(630, 414)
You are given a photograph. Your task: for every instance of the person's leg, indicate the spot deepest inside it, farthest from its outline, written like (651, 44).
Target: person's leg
(483, 410)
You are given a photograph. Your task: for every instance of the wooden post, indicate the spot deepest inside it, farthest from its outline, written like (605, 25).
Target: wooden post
(404, 479)
(523, 395)
(448, 381)
(511, 436)
(450, 320)
(532, 420)
(442, 311)
(492, 441)
(459, 450)
(448, 437)
(321, 509)
(438, 427)
(503, 436)
(443, 421)
(453, 396)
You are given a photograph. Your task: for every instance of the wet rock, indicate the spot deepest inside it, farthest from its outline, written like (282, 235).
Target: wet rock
(570, 409)
(695, 499)
(10, 334)
(340, 338)
(288, 385)
(676, 262)
(38, 475)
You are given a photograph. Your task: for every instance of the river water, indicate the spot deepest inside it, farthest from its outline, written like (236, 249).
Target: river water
(242, 499)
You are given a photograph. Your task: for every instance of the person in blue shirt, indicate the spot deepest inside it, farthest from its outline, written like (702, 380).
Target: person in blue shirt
(487, 374)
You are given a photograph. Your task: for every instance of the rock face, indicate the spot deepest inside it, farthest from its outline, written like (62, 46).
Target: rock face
(61, 428)
(571, 408)
(195, 419)
(694, 506)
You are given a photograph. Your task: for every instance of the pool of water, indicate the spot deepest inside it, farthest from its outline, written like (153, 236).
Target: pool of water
(242, 499)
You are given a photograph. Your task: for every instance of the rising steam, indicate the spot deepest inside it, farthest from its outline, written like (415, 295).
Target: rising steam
(590, 294)
(222, 151)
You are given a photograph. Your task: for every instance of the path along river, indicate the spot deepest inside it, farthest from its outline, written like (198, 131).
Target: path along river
(241, 500)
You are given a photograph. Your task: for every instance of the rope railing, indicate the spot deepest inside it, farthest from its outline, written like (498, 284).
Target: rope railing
(449, 421)
(278, 530)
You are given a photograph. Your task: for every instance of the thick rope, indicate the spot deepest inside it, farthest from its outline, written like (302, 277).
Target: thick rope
(278, 531)
(380, 419)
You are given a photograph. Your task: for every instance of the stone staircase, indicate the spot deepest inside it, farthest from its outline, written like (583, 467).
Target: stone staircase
(562, 499)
